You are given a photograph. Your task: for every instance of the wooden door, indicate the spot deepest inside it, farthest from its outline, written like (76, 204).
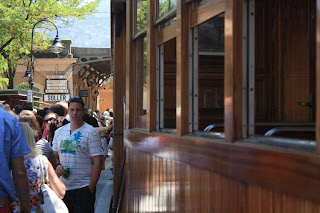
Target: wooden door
(297, 70)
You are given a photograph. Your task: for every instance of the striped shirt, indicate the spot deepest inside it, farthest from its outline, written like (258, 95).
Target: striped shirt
(45, 147)
(75, 152)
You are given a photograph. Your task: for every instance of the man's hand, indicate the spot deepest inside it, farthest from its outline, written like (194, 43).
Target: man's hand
(59, 170)
(96, 170)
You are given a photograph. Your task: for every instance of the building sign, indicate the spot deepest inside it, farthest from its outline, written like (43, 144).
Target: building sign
(29, 95)
(57, 84)
(57, 77)
(56, 97)
(56, 91)
(84, 93)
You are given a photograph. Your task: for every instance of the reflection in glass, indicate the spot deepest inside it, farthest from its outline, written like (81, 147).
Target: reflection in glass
(211, 34)
(141, 15)
(164, 6)
(211, 74)
(169, 90)
(141, 77)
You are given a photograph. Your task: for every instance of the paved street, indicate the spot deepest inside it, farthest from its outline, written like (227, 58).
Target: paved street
(104, 189)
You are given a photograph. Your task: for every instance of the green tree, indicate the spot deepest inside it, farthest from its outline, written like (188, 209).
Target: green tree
(26, 86)
(17, 18)
(141, 15)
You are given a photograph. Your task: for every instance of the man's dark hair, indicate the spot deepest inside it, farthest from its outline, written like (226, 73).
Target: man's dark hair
(41, 112)
(76, 99)
(90, 120)
(28, 107)
(40, 120)
(17, 109)
(56, 108)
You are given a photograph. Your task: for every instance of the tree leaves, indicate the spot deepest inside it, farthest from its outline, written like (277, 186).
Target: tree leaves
(17, 18)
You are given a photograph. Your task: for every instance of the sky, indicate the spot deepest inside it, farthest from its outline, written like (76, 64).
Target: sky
(93, 32)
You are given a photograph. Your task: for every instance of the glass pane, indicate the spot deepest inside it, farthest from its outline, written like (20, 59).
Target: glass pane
(211, 74)
(141, 15)
(169, 100)
(164, 6)
(285, 97)
(211, 34)
(141, 77)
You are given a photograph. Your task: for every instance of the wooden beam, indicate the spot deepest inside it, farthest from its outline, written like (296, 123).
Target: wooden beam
(318, 75)
(129, 117)
(182, 97)
(233, 70)
(167, 34)
(118, 48)
(206, 11)
(151, 68)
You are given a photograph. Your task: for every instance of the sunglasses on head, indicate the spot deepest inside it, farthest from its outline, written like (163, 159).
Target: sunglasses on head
(75, 98)
(50, 119)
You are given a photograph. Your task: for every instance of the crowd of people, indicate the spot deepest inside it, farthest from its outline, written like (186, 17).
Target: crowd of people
(74, 142)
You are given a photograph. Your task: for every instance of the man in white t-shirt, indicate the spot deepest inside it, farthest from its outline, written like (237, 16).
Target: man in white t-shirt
(78, 147)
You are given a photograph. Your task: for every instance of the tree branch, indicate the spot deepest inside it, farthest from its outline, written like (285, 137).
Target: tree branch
(6, 44)
(12, 38)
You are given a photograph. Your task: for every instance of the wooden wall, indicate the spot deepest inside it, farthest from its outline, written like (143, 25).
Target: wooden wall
(165, 174)
(183, 173)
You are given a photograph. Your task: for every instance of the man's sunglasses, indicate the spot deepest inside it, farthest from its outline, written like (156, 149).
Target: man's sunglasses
(50, 119)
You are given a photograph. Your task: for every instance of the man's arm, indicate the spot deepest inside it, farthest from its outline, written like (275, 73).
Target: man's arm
(21, 183)
(96, 170)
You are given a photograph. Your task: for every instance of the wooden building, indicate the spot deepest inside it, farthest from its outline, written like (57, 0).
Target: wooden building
(215, 105)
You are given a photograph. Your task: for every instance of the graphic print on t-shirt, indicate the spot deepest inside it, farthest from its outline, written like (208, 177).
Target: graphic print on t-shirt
(71, 145)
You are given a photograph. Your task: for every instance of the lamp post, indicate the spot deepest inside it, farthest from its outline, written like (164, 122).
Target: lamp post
(56, 48)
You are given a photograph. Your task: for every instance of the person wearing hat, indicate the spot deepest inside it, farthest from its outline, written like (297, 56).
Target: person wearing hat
(78, 148)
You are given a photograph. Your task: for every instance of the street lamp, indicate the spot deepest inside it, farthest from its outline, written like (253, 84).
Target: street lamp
(56, 48)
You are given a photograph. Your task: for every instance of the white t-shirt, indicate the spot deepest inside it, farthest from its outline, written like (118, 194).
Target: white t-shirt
(75, 151)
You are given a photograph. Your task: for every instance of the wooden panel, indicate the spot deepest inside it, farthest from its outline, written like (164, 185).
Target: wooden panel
(156, 184)
(261, 99)
(206, 12)
(296, 67)
(182, 95)
(285, 171)
(151, 68)
(118, 69)
(233, 70)
(318, 76)
(167, 34)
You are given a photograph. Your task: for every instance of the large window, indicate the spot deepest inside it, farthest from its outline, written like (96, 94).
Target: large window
(140, 63)
(208, 75)
(141, 86)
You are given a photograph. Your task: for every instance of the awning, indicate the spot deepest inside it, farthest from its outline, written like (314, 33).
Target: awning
(39, 102)
(19, 92)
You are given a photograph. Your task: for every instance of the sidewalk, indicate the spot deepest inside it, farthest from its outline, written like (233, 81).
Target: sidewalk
(104, 189)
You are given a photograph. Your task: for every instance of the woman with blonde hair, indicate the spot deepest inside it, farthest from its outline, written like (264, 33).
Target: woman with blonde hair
(32, 164)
